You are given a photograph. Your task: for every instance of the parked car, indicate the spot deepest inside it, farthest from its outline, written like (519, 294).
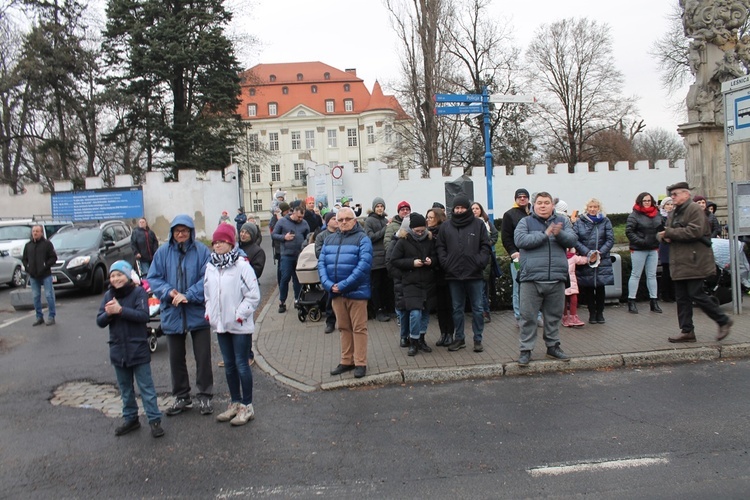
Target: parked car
(85, 250)
(15, 233)
(11, 270)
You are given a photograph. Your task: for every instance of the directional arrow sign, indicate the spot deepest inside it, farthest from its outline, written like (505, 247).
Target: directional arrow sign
(512, 98)
(458, 110)
(458, 97)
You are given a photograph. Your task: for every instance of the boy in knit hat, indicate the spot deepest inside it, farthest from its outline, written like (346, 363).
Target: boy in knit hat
(380, 284)
(124, 310)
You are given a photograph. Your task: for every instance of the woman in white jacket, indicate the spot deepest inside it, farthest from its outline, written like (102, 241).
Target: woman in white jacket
(232, 295)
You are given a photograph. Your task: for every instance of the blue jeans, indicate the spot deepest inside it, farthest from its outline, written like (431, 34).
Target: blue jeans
(419, 319)
(641, 259)
(145, 266)
(516, 288)
(49, 293)
(459, 291)
(142, 375)
(235, 349)
(288, 266)
(404, 323)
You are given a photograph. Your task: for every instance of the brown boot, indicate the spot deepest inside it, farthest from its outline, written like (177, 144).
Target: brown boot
(683, 337)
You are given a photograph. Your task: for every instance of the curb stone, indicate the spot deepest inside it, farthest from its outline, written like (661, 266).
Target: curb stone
(670, 356)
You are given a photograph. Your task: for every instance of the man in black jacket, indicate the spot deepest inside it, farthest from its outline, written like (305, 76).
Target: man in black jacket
(511, 218)
(144, 244)
(463, 248)
(38, 258)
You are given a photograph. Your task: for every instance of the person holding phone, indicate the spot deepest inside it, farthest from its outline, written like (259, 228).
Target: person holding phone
(291, 232)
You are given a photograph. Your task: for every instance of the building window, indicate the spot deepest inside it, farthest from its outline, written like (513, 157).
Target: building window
(252, 91)
(255, 174)
(388, 133)
(299, 77)
(253, 143)
(370, 134)
(356, 166)
(348, 105)
(272, 108)
(347, 87)
(252, 110)
(351, 136)
(299, 171)
(296, 140)
(272, 78)
(273, 141)
(314, 89)
(276, 173)
(285, 90)
(257, 205)
(329, 105)
(326, 76)
(309, 139)
(332, 138)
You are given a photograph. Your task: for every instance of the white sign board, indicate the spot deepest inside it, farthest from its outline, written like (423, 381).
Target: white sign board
(737, 99)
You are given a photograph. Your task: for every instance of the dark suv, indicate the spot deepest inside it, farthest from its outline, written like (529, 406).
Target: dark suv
(85, 250)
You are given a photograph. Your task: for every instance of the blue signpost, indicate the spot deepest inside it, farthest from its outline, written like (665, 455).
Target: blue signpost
(472, 104)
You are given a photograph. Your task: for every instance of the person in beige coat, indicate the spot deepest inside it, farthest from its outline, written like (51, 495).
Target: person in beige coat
(691, 260)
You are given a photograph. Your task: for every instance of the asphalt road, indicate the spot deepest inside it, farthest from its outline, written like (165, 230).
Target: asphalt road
(664, 432)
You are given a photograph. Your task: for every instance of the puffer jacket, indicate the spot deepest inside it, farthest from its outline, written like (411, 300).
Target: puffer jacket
(375, 226)
(543, 257)
(688, 231)
(463, 250)
(417, 283)
(346, 260)
(232, 294)
(641, 230)
(595, 236)
(128, 337)
(181, 269)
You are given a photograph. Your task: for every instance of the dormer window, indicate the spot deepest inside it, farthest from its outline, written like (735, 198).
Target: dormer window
(348, 105)
(299, 77)
(284, 90)
(314, 89)
(252, 91)
(326, 76)
(272, 78)
(272, 109)
(347, 88)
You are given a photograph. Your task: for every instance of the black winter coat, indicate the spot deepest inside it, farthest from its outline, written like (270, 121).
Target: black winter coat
(595, 236)
(641, 230)
(417, 283)
(463, 248)
(128, 337)
(375, 228)
(508, 227)
(144, 242)
(256, 256)
(38, 258)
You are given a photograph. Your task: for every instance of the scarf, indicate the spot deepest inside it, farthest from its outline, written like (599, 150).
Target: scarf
(416, 236)
(123, 291)
(462, 220)
(224, 260)
(651, 211)
(596, 219)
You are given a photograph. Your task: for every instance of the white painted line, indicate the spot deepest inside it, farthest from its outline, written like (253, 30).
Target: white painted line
(10, 322)
(596, 466)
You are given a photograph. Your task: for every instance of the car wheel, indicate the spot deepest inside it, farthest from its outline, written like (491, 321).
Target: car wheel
(18, 278)
(97, 283)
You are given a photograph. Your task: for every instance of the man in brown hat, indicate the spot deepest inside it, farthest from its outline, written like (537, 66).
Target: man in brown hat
(691, 260)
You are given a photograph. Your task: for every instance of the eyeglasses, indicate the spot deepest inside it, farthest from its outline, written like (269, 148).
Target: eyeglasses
(522, 197)
(345, 219)
(646, 200)
(181, 231)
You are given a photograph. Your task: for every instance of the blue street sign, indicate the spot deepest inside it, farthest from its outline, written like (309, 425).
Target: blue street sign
(458, 110)
(458, 97)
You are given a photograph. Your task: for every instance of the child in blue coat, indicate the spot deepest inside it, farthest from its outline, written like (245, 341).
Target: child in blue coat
(125, 310)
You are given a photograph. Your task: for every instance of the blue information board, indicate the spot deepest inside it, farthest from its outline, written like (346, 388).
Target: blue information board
(98, 204)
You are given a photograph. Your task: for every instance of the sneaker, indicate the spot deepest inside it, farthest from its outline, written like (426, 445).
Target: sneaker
(128, 426)
(206, 408)
(282, 308)
(457, 344)
(180, 405)
(487, 317)
(230, 412)
(524, 358)
(382, 317)
(724, 330)
(478, 347)
(245, 413)
(359, 371)
(50, 321)
(555, 352)
(39, 321)
(156, 429)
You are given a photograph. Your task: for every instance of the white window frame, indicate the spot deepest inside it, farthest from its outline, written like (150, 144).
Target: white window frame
(253, 143)
(296, 140)
(257, 205)
(333, 137)
(255, 174)
(299, 171)
(330, 105)
(273, 108)
(348, 105)
(275, 172)
(309, 139)
(370, 134)
(388, 133)
(273, 141)
(351, 137)
(252, 110)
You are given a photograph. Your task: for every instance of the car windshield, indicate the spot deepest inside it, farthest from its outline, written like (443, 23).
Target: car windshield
(22, 232)
(75, 238)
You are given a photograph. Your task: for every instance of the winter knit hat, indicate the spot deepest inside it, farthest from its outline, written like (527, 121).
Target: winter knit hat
(377, 201)
(279, 194)
(284, 206)
(561, 207)
(461, 200)
(309, 199)
(416, 220)
(402, 205)
(698, 197)
(439, 205)
(225, 233)
(520, 192)
(123, 267)
(329, 216)
(251, 229)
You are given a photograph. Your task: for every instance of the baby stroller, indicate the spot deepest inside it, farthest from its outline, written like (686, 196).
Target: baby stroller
(719, 286)
(153, 327)
(312, 298)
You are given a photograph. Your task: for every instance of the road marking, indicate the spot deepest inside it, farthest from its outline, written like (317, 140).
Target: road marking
(10, 322)
(558, 470)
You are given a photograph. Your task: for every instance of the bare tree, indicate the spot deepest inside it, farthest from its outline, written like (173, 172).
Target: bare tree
(573, 71)
(671, 52)
(659, 144)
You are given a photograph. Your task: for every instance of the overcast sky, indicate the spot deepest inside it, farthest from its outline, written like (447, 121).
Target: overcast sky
(357, 34)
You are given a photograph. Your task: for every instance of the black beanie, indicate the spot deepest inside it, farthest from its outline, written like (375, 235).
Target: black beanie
(461, 201)
(521, 191)
(329, 215)
(416, 220)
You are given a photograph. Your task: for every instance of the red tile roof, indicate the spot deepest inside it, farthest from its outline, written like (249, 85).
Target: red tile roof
(299, 80)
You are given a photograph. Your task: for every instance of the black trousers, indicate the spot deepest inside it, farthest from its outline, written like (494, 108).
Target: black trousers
(593, 297)
(178, 363)
(688, 292)
(666, 287)
(444, 308)
(381, 289)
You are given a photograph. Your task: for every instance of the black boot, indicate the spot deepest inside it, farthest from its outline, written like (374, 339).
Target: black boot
(404, 342)
(448, 339)
(655, 306)
(631, 306)
(423, 345)
(592, 315)
(441, 341)
(413, 347)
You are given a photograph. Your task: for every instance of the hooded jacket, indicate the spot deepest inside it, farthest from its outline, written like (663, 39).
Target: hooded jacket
(181, 268)
(463, 247)
(375, 226)
(346, 260)
(254, 253)
(417, 283)
(128, 337)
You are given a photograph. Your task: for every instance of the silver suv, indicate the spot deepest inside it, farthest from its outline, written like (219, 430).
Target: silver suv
(15, 233)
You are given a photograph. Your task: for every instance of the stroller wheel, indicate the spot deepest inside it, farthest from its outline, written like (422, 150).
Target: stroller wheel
(153, 341)
(314, 314)
(301, 316)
